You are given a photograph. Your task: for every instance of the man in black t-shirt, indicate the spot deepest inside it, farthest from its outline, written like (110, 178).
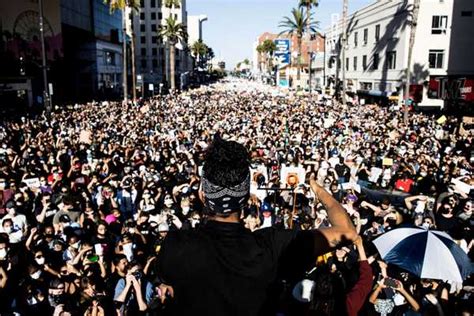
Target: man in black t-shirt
(221, 268)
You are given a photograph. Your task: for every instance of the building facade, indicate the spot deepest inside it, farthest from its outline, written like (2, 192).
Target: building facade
(377, 47)
(152, 53)
(309, 49)
(195, 27)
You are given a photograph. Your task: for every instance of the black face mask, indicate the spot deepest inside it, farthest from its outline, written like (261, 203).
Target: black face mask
(55, 300)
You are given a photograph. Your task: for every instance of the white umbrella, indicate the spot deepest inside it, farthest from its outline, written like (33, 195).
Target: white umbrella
(426, 253)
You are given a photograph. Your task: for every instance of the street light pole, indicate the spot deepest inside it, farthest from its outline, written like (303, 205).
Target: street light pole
(344, 43)
(46, 98)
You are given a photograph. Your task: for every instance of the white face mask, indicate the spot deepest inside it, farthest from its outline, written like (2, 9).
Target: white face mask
(40, 261)
(76, 245)
(36, 275)
(168, 203)
(3, 253)
(425, 225)
(185, 210)
(9, 230)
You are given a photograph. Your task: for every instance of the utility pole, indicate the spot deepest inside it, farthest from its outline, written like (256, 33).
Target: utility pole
(416, 7)
(344, 44)
(46, 98)
(310, 63)
(124, 52)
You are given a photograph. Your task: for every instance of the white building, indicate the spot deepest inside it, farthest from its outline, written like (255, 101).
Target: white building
(152, 54)
(195, 27)
(378, 39)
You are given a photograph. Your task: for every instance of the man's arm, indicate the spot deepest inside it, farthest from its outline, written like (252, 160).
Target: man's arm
(342, 229)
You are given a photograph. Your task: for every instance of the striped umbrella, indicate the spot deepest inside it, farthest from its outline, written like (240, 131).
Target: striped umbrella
(428, 254)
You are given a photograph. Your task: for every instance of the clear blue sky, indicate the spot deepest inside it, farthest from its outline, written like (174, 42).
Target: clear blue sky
(233, 25)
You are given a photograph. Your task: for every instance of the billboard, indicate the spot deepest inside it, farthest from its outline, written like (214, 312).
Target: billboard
(282, 52)
(19, 24)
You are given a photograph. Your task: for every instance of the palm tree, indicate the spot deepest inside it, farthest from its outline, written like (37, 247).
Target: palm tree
(123, 5)
(172, 3)
(295, 26)
(268, 48)
(199, 51)
(174, 33)
(416, 7)
(308, 4)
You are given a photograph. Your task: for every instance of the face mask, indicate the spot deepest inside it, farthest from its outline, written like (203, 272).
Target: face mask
(3, 253)
(425, 225)
(76, 245)
(55, 300)
(168, 203)
(32, 301)
(40, 261)
(9, 230)
(36, 275)
(194, 222)
(423, 174)
(185, 210)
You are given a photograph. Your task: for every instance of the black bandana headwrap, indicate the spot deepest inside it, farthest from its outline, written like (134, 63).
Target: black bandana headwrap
(223, 200)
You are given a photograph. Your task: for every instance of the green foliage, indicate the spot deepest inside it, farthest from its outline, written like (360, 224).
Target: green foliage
(173, 31)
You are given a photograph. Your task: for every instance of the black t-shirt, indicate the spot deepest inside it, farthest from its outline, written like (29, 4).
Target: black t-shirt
(224, 269)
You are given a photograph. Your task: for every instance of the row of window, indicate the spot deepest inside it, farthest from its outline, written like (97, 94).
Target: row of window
(143, 63)
(435, 60)
(154, 51)
(153, 16)
(152, 3)
(390, 61)
(439, 25)
(154, 28)
(154, 40)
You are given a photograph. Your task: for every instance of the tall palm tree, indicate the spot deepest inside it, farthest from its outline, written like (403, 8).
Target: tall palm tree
(123, 5)
(414, 21)
(199, 51)
(295, 26)
(173, 33)
(268, 48)
(308, 4)
(172, 3)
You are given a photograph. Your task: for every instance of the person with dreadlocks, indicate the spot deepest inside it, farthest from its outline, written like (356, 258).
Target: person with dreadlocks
(222, 268)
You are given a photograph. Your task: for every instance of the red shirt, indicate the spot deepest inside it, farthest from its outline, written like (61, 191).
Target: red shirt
(404, 185)
(355, 299)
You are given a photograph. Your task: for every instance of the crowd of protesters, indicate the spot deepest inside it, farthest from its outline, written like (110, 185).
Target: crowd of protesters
(88, 194)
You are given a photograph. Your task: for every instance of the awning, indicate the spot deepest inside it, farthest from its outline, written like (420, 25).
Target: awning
(375, 93)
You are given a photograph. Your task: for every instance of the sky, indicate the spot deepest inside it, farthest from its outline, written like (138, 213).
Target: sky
(233, 25)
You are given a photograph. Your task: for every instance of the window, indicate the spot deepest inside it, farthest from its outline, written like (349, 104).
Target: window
(143, 51)
(142, 16)
(364, 62)
(143, 40)
(355, 63)
(347, 63)
(142, 3)
(377, 33)
(366, 36)
(153, 39)
(439, 24)
(391, 61)
(153, 28)
(109, 58)
(153, 16)
(154, 51)
(466, 13)
(160, 15)
(436, 58)
(355, 39)
(375, 63)
(143, 62)
(155, 63)
(142, 27)
(152, 3)
(366, 85)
